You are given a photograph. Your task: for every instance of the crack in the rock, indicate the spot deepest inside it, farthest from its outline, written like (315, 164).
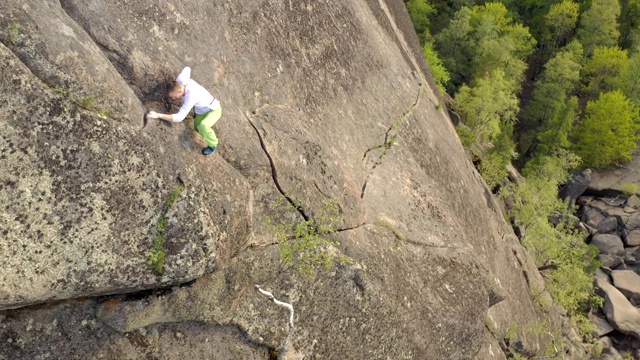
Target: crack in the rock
(389, 140)
(274, 173)
(351, 228)
(405, 240)
(320, 191)
(417, 243)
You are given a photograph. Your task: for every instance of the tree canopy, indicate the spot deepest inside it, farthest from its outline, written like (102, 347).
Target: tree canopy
(608, 133)
(487, 105)
(481, 39)
(606, 70)
(599, 25)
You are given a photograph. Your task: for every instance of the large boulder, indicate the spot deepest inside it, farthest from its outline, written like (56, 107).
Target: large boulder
(633, 238)
(609, 353)
(628, 282)
(592, 216)
(633, 201)
(633, 222)
(609, 261)
(608, 225)
(619, 311)
(602, 325)
(576, 186)
(610, 244)
(614, 177)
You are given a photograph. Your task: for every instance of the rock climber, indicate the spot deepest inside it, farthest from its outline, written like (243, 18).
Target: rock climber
(207, 108)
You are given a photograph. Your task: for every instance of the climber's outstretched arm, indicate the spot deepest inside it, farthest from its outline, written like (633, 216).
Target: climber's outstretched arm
(155, 115)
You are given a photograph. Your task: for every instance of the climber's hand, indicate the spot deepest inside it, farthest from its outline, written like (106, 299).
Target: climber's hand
(152, 115)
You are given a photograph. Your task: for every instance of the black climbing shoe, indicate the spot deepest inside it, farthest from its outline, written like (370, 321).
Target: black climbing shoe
(208, 150)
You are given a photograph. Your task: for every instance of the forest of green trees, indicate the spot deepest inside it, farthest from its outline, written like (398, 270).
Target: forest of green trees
(551, 86)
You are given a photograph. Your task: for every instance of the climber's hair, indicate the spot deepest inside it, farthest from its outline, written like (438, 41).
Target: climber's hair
(172, 86)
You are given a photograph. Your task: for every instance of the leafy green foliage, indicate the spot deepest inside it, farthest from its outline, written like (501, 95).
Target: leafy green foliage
(533, 202)
(631, 84)
(86, 102)
(481, 40)
(155, 259)
(420, 11)
(488, 104)
(606, 70)
(304, 245)
(630, 25)
(551, 110)
(556, 131)
(493, 167)
(456, 47)
(14, 33)
(440, 73)
(444, 11)
(608, 133)
(560, 78)
(467, 137)
(561, 21)
(599, 25)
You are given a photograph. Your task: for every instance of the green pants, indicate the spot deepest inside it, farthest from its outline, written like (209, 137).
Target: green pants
(203, 125)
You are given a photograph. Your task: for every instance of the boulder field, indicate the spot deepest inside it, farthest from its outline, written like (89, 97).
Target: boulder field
(614, 222)
(322, 101)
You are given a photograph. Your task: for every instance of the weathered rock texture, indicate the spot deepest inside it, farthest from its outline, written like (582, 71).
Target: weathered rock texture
(321, 100)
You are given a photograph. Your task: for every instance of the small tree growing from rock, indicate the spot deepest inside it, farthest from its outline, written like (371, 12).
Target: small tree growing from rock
(303, 247)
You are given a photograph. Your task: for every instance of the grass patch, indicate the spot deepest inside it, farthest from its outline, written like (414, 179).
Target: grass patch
(86, 102)
(629, 189)
(156, 256)
(14, 33)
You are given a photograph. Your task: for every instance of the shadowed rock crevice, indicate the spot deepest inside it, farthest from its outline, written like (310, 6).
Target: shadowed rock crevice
(389, 140)
(351, 228)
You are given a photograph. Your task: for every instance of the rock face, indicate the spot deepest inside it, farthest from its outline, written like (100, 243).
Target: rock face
(321, 100)
(76, 322)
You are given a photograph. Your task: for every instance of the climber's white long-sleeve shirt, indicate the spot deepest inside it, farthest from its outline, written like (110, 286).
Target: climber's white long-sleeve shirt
(194, 96)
